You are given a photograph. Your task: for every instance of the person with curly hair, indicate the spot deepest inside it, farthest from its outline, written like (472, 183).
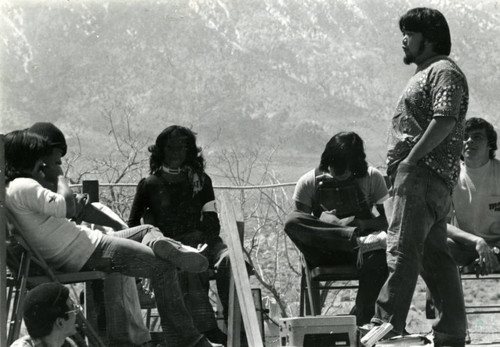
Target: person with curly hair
(178, 198)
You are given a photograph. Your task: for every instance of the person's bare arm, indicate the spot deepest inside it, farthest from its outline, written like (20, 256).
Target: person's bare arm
(64, 190)
(439, 128)
(487, 258)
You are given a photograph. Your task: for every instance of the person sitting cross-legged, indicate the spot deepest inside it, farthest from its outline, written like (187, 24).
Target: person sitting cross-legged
(339, 237)
(142, 251)
(49, 316)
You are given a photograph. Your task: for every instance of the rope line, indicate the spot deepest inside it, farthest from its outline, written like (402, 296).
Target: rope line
(133, 185)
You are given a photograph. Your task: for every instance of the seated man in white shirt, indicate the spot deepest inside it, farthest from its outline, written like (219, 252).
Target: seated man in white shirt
(124, 326)
(474, 232)
(476, 199)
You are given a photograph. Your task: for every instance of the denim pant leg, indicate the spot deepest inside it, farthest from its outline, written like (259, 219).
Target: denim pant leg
(441, 276)
(124, 323)
(412, 219)
(123, 252)
(372, 277)
(321, 243)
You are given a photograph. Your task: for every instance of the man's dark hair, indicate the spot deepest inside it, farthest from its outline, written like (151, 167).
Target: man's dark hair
(345, 150)
(432, 24)
(52, 134)
(194, 158)
(22, 150)
(42, 306)
(478, 124)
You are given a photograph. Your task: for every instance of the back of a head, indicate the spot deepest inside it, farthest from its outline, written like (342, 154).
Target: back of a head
(22, 150)
(432, 24)
(51, 133)
(42, 306)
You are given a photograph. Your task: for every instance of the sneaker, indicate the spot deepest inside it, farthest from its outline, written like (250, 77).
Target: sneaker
(372, 333)
(372, 242)
(184, 257)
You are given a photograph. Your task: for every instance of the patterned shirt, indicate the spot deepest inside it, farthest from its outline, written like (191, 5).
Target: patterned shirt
(438, 89)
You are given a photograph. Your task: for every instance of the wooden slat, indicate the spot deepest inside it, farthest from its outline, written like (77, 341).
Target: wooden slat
(240, 275)
(3, 250)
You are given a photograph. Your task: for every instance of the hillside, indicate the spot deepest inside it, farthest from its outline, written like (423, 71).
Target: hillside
(243, 74)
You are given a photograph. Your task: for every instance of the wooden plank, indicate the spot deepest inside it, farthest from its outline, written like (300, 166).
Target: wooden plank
(234, 319)
(3, 250)
(240, 275)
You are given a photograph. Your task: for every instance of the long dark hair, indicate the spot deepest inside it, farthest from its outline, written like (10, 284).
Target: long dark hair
(345, 150)
(432, 24)
(22, 150)
(194, 157)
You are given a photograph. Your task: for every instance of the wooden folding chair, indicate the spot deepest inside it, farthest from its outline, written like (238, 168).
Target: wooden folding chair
(27, 270)
(317, 281)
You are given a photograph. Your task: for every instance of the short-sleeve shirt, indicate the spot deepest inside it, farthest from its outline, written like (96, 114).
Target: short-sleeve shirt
(476, 200)
(371, 185)
(41, 214)
(438, 89)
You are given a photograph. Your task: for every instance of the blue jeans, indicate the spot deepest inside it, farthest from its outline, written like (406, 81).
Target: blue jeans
(129, 253)
(324, 244)
(416, 244)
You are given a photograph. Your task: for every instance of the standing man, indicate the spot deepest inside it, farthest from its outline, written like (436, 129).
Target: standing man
(425, 143)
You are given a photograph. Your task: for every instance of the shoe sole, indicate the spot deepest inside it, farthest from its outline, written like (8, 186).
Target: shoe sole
(376, 334)
(180, 256)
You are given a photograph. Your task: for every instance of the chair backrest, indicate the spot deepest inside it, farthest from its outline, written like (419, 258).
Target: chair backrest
(48, 275)
(22, 241)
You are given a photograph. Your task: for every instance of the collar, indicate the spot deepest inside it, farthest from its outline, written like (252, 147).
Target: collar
(429, 61)
(171, 171)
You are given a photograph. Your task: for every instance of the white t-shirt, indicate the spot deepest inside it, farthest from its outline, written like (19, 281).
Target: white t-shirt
(476, 200)
(372, 186)
(41, 214)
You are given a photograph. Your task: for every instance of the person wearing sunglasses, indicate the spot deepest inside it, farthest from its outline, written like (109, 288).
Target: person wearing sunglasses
(49, 315)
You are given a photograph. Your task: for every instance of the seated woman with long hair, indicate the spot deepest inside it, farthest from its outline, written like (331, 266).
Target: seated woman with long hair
(179, 199)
